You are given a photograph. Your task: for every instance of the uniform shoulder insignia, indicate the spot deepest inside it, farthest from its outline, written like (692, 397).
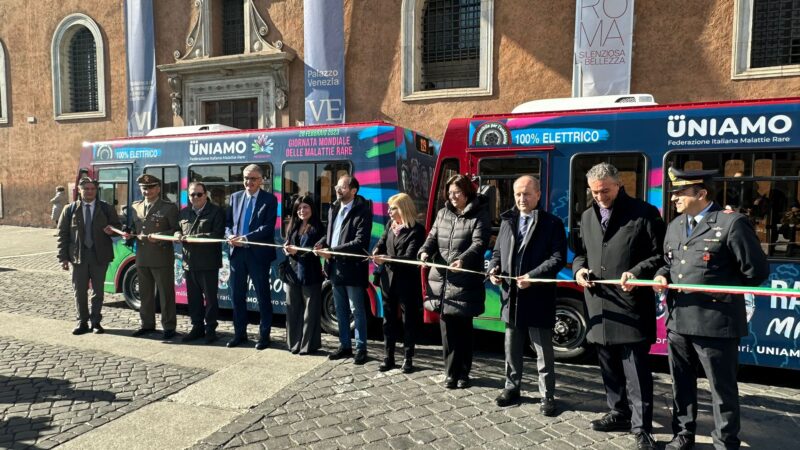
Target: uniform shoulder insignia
(728, 211)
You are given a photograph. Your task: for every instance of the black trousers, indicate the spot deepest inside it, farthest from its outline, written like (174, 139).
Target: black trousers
(199, 284)
(628, 382)
(456, 345)
(720, 360)
(399, 308)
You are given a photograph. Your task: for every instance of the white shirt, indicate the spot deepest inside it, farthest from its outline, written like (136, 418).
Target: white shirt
(337, 223)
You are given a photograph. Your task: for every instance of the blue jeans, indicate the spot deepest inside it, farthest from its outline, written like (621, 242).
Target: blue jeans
(347, 299)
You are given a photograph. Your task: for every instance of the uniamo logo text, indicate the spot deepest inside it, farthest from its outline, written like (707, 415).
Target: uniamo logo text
(197, 148)
(679, 126)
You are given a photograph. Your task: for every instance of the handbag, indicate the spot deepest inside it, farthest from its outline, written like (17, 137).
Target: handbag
(286, 273)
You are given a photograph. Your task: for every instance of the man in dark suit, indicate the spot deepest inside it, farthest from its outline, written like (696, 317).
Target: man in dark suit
(531, 244)
(201, 262)
(251, 218)
(349, 231)
(84, 240)
(155, 259)
(621, 238)
(706, 245)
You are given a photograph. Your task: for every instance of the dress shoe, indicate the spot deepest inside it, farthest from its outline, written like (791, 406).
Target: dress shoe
(450, 383)
(237, 341)
(98, 329)
(196, 333)
(168, 334)
(143, 331)
(211, 337)
(548, 407)
(507, 398)
(341, 353)
(81, 329)
(681, 442)
(644, 441)
(611, 422)
(463, 383)
(387, 364)
(262, 344)
(295, 351)
(361, 357)
(408, 365)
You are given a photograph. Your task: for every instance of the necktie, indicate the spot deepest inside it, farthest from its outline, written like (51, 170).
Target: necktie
(146, 209)
(248, 214)
(523, 228)
(692, 224)
(87, 223)
(605, 216)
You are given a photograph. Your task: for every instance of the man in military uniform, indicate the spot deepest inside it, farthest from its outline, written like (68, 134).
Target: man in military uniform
(712, 246)
(154, 258)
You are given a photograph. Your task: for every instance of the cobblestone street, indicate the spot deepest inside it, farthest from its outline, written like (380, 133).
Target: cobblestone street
(113, 390)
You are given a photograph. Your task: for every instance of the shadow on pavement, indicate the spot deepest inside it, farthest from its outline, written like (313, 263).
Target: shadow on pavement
(35, 397)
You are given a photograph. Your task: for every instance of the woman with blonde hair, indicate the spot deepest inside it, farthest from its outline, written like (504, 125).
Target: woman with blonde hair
(400, 283)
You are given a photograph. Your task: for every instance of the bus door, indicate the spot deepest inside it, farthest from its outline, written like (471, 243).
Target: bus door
(114, 188)
(496, 175)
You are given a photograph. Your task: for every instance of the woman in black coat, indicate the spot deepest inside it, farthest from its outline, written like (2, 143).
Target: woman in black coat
(304, 289)
(400, 283)
(458, 238)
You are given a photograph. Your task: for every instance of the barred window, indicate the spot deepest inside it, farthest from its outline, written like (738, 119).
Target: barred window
(451, 31)
(775, 33)
(82, 72)
(232, 27)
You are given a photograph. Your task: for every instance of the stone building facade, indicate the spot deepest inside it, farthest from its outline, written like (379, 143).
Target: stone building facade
(684, 51)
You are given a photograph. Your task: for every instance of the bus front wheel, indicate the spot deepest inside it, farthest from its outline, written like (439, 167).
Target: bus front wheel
(328, 321)
(130, 288)
(569, 332)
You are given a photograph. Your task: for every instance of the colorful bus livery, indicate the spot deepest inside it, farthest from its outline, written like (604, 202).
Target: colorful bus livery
(754, 145)
(386, 160)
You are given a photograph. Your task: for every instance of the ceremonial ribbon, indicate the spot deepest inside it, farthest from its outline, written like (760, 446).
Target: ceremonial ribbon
(633, 282)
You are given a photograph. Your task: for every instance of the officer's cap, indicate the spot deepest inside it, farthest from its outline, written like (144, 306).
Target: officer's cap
(682, 179)
(148, 180)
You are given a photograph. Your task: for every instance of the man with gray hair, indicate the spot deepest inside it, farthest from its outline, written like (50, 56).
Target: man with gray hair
(251, 218)
(621, 238)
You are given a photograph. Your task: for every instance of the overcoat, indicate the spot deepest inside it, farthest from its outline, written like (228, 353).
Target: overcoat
(633, 242)
(541, 254)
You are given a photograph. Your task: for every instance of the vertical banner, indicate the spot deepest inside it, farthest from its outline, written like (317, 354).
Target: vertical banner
(603, 41)
(323, 32)
(141, 64)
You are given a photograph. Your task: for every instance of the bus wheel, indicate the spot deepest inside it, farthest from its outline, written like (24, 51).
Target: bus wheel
(328, 320)
(130, 288)
(569, 332)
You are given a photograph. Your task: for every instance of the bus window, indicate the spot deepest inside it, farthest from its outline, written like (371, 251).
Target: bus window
(315, 178)
(169, 181)
(752, 183)
(632, 169)
(501, 173)
(223, 180)
(113, 189)
(448, 168)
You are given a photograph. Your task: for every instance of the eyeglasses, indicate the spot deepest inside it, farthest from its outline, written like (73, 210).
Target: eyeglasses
(342, 188)
(252, 178)
(455, 193)
(197, 194)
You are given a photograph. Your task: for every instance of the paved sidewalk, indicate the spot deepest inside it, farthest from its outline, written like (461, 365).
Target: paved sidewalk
(115, 391)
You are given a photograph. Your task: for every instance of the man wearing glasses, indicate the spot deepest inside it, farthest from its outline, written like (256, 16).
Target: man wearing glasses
(349, 227)
(154, 258)
(201, 262)
(251, 218)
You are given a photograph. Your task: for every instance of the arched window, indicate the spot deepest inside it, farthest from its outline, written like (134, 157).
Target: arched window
(447, 48)
(3, 86)
(78, 69)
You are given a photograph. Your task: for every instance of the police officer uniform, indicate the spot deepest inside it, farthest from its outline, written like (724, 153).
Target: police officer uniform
(721, 248)
(155, 260)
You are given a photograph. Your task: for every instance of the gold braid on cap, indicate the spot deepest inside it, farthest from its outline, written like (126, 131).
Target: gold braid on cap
(678, 182)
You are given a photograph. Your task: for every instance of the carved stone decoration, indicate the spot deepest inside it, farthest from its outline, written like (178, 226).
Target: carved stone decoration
(280, 98)
(197, 43)
(256, 32)
(175, 84)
